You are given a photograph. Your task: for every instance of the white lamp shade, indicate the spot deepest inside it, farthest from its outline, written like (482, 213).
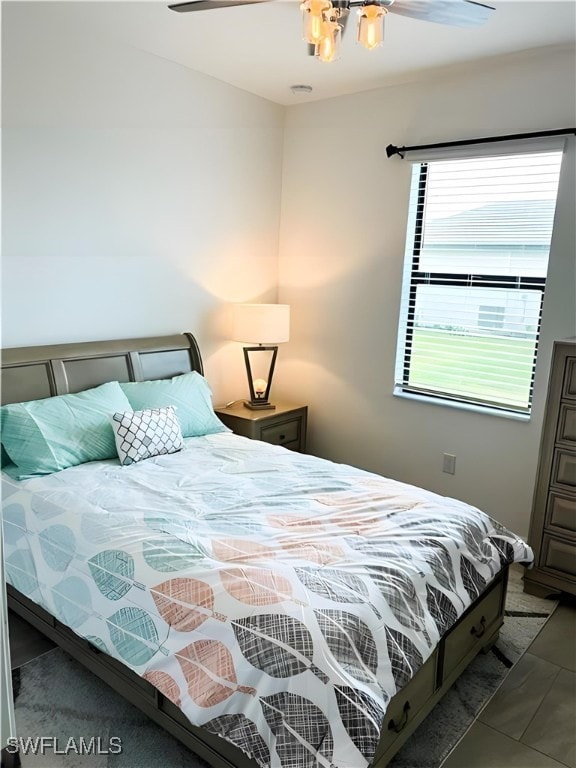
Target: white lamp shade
(261, 323)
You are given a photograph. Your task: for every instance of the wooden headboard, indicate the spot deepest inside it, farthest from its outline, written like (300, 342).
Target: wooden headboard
(31, 373)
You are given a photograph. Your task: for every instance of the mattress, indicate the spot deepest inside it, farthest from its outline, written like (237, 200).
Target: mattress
(280, 600)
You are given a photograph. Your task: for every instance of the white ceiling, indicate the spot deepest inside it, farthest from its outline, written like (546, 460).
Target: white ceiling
(259, 47)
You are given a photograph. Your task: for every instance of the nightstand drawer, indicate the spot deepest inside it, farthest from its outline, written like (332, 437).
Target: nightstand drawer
(283, 425)
(280, 434)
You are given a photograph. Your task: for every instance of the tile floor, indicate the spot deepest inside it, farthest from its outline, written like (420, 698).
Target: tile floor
(530, 722)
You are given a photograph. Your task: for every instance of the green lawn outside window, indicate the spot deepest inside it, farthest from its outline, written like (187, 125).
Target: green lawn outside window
(454, 363)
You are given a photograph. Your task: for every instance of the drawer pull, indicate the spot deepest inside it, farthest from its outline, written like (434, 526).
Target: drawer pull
(479, 630)
(402, 724)
(282, 438)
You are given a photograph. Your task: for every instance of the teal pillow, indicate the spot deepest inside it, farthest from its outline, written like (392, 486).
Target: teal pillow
(190, 395)
(44, 436)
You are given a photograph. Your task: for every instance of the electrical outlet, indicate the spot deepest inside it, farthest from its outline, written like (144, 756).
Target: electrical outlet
(449, 464)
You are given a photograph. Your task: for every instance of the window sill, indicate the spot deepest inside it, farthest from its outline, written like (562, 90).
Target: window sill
(484, 410)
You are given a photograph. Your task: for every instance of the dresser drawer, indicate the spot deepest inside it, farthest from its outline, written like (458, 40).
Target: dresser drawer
(567, 424)
(561, 512)
(559, 556)
(569, 389)
(280, 434)
(474, 630)
(564, 468)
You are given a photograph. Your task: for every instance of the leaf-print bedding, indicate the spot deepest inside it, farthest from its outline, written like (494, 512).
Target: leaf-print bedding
(280, 600)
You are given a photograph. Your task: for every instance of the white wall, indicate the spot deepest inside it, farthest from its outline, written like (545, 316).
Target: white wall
(138, 196)
(344, 211)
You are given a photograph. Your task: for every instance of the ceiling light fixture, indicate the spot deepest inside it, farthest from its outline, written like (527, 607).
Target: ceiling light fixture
(324, 22)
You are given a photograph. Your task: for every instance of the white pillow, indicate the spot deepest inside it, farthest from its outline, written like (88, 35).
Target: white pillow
(142, 434)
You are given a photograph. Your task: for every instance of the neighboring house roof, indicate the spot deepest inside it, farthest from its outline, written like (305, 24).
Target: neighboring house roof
(526, 223)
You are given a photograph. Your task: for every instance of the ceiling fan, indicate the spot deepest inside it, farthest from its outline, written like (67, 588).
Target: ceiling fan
(325, 20)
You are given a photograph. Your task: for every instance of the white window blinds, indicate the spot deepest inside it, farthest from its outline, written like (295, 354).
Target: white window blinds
(477, 253)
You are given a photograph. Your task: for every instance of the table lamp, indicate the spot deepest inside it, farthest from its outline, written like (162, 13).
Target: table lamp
(266, 325)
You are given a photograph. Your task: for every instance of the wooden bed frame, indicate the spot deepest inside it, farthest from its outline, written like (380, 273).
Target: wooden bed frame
(30, 373)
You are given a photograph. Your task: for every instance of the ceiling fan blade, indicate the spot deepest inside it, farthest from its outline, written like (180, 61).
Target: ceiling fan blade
(457, 13)
(206, 5)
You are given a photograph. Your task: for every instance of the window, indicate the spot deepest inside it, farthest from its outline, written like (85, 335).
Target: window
(477, 252)
(491, 317)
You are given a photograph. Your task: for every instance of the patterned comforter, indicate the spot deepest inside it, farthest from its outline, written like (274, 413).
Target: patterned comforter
(280, 600)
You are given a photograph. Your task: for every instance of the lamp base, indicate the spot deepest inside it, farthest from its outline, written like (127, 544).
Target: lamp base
(259, 406)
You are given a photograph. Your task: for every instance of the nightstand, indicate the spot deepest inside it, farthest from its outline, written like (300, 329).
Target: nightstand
(285, 425)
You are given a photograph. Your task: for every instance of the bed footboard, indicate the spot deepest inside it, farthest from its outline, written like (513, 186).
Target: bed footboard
(131, 686)
(476, 630)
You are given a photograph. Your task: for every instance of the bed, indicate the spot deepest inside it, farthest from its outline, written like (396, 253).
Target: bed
(267, 608)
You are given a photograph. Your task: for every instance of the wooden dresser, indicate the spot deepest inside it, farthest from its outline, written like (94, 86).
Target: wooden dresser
(553, 524)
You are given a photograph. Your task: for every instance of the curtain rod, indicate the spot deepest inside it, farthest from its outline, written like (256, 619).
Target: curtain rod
(391, 149)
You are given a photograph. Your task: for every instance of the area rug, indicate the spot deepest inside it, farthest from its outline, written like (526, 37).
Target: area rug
(56, 697)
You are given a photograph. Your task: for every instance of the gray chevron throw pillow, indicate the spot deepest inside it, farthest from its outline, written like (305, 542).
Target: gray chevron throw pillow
(143, 434)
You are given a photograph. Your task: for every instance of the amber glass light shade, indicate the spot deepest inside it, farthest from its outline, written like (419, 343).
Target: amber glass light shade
(312, 18)
(328, 49)
(371, 26)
